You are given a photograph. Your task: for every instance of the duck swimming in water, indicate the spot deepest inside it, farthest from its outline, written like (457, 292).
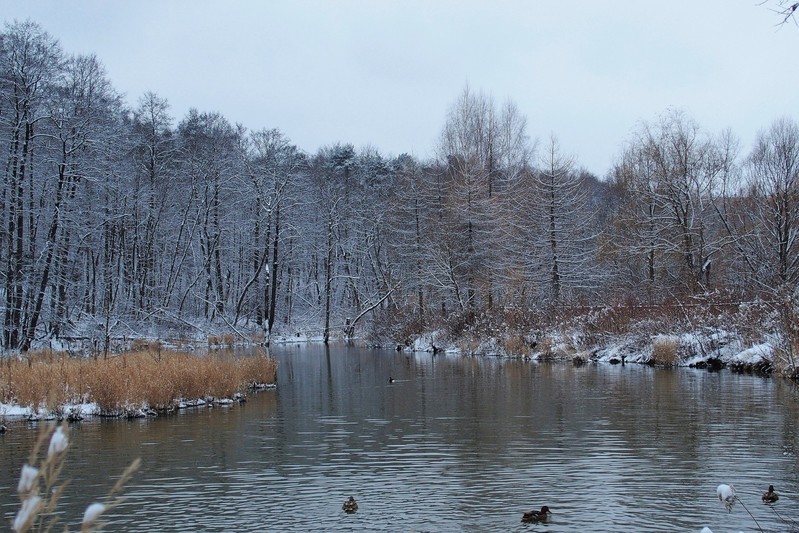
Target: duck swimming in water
(350, 506)
(770, 496)
(537, 516)
(391, 380)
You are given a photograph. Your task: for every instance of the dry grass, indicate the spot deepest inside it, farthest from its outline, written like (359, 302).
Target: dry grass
(142, 345)
(228, 340)
(665, 350)
(546, 347)
(156, 379)
(516, 345)
(468, 344)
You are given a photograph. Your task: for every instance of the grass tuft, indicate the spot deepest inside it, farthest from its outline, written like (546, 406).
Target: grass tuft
(665, 350)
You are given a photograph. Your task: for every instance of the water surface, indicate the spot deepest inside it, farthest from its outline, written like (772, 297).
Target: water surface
(454, 444)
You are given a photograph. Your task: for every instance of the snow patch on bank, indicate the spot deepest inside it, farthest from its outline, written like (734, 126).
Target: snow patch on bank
(706, 347)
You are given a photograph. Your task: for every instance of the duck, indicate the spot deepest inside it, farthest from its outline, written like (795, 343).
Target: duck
(537, 516)
(391, 380)
(770, 496)
(350, 506)
(3, 428)
(726, 495)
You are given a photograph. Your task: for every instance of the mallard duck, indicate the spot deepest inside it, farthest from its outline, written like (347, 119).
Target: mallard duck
(770, 496)
(350, 506)
(537, 516)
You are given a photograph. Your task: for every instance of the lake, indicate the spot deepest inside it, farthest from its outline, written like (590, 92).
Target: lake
(454, 444)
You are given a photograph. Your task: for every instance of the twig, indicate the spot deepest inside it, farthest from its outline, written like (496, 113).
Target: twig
(750, 514)
(784, 521)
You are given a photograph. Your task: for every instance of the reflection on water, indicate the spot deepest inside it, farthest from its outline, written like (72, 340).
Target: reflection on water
(455, 444)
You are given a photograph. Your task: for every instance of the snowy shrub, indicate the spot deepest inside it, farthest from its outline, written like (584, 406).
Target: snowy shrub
(665, 350)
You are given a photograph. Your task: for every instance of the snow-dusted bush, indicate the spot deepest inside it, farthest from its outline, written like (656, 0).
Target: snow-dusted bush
(665, 350)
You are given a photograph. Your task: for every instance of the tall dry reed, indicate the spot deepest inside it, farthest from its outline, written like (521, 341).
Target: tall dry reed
(158, 379)
(40, 487)
(665, 350)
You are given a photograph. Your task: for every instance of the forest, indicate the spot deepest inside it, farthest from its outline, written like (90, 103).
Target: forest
(123, 221)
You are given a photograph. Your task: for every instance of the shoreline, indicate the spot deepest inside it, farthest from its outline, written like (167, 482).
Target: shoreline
(45, 385)
(78, 412)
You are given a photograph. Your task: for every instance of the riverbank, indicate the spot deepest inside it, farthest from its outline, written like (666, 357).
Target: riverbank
(750, 337)
(130, 384)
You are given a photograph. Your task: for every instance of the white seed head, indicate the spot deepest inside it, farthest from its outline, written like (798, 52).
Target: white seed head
(27, 513)
(92, 513)
(58, 442)
(26, 479)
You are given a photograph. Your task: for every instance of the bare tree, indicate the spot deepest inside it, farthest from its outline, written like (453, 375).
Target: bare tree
(561, 242)
(482, 151)
(773, 180)
(30, 62)
(672, 173)
(154, 155)
(84, 105)
(785, 10)
(273, 166)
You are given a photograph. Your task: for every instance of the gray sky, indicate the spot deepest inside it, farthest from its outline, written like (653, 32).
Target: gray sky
(385, 72)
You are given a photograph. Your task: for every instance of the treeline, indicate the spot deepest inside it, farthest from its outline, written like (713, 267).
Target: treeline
(125, 221)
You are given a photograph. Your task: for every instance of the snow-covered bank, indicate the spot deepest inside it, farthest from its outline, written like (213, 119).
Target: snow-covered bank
(705, 348)
(75, 412)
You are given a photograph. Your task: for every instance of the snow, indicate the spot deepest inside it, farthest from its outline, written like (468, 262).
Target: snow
(726, 495)
(26, 513)
(92, 513)
(725, 492)
(58, 442)
(697, 348)
(755, 354)
(13, 410)
(26, 479)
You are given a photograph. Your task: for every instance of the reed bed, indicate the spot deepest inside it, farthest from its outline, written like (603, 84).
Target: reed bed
(155, 379)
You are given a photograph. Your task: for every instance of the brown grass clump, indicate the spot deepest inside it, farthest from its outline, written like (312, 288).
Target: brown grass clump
(665, 350)
(228, 340)
(516, 345)
(158, 380)
(43, 380)
(142, 345)
(468, 345)
(545, 347)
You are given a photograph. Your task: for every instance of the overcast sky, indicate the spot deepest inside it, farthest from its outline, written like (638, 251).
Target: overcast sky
(384, 72)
